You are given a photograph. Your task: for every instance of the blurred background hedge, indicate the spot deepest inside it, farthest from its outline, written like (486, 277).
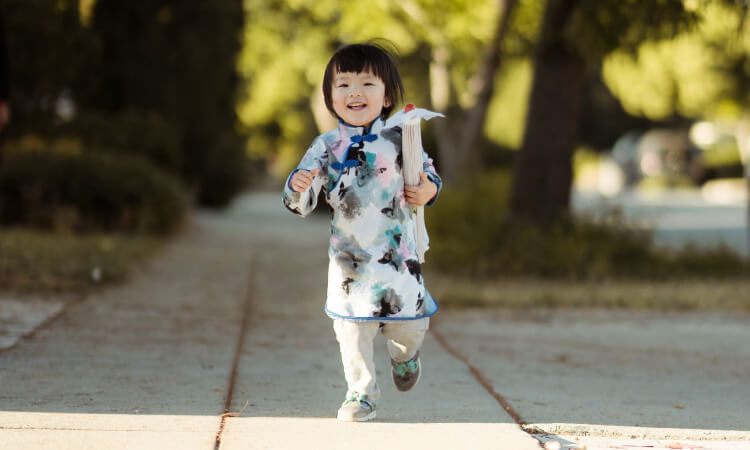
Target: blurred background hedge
(87, 192)
(471, 234)
(153, 79)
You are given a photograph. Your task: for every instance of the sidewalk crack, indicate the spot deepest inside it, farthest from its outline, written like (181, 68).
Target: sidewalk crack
(483, 381)
(246, 307)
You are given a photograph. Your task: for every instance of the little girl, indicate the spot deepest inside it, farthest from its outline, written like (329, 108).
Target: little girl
(374, 276)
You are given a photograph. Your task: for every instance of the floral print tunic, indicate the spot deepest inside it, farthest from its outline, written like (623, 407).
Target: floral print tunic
(373, 271)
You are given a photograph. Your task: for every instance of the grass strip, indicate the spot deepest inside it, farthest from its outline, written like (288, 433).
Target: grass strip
(40, 261)
(719, 295)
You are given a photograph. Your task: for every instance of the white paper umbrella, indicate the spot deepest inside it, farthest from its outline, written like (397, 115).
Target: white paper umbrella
(411, 145)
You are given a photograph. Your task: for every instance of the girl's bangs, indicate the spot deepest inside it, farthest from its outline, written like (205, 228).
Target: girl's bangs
(357, 63)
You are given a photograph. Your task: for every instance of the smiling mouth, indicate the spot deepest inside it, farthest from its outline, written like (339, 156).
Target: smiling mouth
(356, 106)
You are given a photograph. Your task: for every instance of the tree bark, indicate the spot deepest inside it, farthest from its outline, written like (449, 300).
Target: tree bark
(543, 172)
(459, 158)
(476, 116)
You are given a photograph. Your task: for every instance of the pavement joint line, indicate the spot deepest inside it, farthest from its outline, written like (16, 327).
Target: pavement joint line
(237, 353)
(484, 382)
(45, 323)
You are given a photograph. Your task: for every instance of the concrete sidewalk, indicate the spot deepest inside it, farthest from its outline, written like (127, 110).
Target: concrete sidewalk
(232, 308)
(231, 317)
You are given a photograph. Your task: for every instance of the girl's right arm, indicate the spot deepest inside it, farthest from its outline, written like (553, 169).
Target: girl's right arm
(315, 163)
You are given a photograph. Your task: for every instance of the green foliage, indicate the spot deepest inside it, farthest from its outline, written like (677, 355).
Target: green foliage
(282, 78)
(134, 133)
(695, 74)
(600, 26)
(470, 236)
(87, 192)
(157, 79)
(723, 152)
(463, 223)
(506, 116)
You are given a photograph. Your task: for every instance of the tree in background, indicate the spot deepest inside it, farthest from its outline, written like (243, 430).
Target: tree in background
(157, 79)
(705, 72)
(575, 36)
(440, 46)
(663, 60)
(177, 59)
(48, 50)
(474, 61)
(458, 142)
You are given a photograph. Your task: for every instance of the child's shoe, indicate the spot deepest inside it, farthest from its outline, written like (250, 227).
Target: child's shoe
(357, 408)
(406, 374)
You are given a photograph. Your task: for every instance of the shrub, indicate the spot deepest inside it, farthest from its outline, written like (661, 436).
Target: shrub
(134, 133)
(222, 173)
(88, 192)
(469, 235)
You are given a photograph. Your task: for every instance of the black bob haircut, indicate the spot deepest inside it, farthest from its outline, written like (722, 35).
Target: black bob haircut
(367, 57)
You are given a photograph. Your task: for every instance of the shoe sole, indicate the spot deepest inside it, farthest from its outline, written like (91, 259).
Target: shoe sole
(366, 418)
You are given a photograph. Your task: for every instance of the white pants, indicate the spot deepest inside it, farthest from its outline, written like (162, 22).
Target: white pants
(404, 338)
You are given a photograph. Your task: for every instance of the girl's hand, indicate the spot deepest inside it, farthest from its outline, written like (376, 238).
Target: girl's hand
(302, 179)
(422, 194)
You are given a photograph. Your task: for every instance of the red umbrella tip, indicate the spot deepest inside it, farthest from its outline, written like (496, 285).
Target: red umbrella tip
(409, 107)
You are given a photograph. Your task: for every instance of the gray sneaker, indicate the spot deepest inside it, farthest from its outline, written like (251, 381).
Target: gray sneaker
(406, 374)
(356, 408)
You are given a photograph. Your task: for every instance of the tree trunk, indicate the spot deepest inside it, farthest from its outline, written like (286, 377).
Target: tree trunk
(459, 158)
(475, 118)
(543, 172)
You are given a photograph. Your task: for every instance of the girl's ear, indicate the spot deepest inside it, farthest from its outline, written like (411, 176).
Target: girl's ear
(387, 102)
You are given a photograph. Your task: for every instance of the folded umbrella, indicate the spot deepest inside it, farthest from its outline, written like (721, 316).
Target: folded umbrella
(413, 165)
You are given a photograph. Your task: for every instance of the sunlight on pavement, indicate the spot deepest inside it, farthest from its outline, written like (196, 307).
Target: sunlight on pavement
(62, 431)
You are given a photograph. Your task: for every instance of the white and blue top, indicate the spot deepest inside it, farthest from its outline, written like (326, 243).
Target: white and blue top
(373, 273)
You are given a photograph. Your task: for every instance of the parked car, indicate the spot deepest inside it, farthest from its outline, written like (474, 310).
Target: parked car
(660, 155)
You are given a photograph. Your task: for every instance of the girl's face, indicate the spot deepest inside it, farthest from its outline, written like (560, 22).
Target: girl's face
(358, 97)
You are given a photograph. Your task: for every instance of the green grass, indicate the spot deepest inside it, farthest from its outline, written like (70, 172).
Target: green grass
(36, 261)
(720, 295)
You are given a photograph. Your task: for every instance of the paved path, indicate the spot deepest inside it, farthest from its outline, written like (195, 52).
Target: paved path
(678, 217)
(233, 308)
(230, 317)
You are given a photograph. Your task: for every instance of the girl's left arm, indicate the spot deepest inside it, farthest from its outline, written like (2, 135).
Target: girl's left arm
(429, 168)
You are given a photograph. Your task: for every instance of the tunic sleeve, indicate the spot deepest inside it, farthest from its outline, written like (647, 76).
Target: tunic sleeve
(429, 168)
(303, 203)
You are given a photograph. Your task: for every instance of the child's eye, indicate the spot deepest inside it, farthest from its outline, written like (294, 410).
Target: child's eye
(369, 84)
(342, 85)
